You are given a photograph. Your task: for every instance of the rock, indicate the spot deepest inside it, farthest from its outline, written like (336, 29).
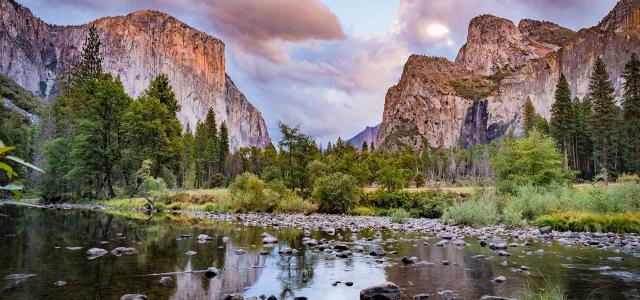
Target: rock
(269, 240)
(424, 263)
(340, 247)
(446, 262)
(134, 297)
(136, 47)
(349, 283)
(119, 251)
(60, 283)
(409, 260)
(500, 279)
(615, 258)
(497, 244)
(420, 296)
(487, 297)
(225, 239)
(343, 254)
(459, 243)
(166, 280)
(503, 253)
(545, 230)
(300, 298)
(387, 291)
(190, 253)
(311, 242)
(204, 238)
(441, 243)
(18, 276)
(358, 249)
(74, 248)
(240, 252)
(335, 283)
(272, 297)
(236, 296)
(94, 253)
(377, 252)
(211, 272)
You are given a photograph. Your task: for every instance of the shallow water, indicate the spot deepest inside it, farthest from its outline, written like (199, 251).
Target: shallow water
(35, 241)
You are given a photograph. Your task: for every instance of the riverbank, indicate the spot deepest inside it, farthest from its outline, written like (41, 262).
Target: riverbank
(628, 243)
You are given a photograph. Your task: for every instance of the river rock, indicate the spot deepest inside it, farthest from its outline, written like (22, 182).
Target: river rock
(377, 252)
(545, 230)
(269, 240)
(204, 238)
(409, 260)
(358, 249)
(500, 279)
(503, 253)
(441, 243)
(420, 296)
(74, 248)
(498, 244)
(134, 297)
(60, 283)
(340, 247)
(191, 253)
(240, 252)
(96, 252)
(236, 296)
(211, 272)
(119, 251)
(387, 291)
(166, 280)
(18, 276)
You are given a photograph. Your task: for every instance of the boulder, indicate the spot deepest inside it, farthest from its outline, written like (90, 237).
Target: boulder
(134, 297)
(386, 291)
(211, 272)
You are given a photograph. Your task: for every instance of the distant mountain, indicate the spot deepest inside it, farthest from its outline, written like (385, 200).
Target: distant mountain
(368, 134)
(136, 47)
(481, 95)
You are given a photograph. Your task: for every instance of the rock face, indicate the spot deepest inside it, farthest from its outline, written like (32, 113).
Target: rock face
(368, 135)
(137, 47)
(481, 95)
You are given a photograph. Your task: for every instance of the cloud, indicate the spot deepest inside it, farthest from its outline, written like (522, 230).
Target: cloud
(257, 25)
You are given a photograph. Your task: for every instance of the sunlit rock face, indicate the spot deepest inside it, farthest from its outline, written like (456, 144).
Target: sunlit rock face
(136, 47)
(515, 62)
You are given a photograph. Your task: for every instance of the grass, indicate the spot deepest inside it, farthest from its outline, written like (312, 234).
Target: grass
(549, 292)
(578, 221)
(399, 215)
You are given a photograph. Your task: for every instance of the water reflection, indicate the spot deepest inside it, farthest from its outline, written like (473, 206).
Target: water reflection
(34, 240)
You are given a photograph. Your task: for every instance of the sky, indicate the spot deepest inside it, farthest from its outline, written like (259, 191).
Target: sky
(326, 65)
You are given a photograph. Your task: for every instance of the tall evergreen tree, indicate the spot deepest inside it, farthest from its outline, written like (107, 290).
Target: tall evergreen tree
(561, 117)
(631, 112)
(161, 89)
(223, 148)
(365, 146)
(602, 118)
(91, 59)
(211, 139)
(529, 116)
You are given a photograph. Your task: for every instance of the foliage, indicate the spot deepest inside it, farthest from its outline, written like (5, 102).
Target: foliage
(627, 178)
(248, 193)
(575, 221)
(549, 292)
(631, 112)
(12, 184)
(423, 204)
(336, 193)
(479, 210)
(399, 215)
(529, 116)
(391, 178)
(533, 160)
(562, 115)
(296, 152)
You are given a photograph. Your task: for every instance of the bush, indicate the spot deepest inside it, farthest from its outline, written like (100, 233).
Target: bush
(336, 193)
(576, 221)
(533, 160)
(399, 215)
(247, 194)
(424, 204)
(627, 178)
(480, 210)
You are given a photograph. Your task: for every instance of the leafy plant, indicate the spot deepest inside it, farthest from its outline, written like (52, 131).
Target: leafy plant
(336, 193)
(14, 184)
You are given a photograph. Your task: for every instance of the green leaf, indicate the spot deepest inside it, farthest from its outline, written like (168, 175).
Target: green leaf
(12, 187)
(8, 169)
(4, 149)
(21, 161)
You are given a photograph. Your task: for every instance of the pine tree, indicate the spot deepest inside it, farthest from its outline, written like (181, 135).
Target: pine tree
(603, 117)
(631, 112)
(365, 146)
(561, 117)
(529, 116)
(91, 60)
(223, 148)
(161, 89)
(211, 139)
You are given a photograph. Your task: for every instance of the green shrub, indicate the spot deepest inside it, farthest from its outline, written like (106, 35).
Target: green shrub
(549, 292)
(425, 204)
(576, 221)
(533, 160)
(628, 178)
(336, 193)
(399, 215)
(480, 210)
(247, 194)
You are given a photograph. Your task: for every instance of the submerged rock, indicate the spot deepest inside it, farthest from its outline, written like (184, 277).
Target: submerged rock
(18, 276)
(211, 272)
(500, 279)
(96, 252)
(387, 291)
(123, 250)
(166, 280)
(204, 238)
(236, 296)
(60, 283)
(134, 297)
(191, 253)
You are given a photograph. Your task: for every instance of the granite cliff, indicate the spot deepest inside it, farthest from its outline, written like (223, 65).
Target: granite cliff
(480, 96)
(137, 47)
